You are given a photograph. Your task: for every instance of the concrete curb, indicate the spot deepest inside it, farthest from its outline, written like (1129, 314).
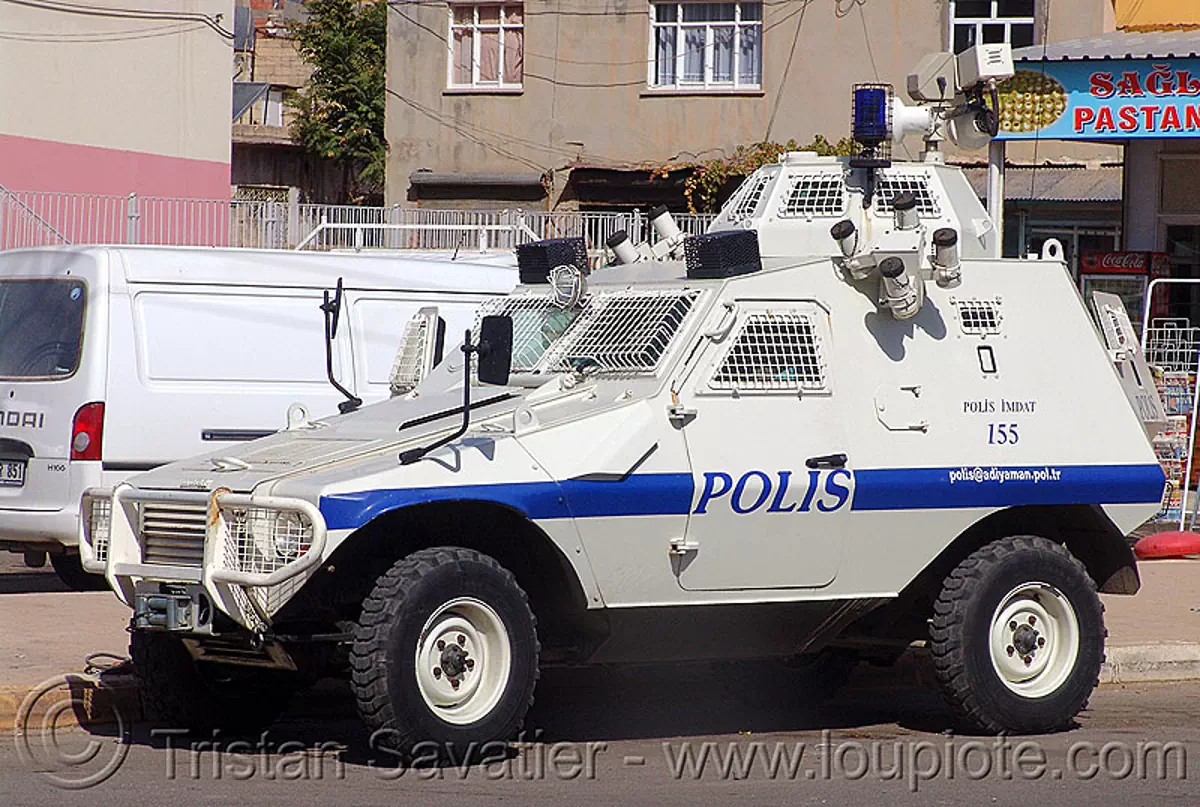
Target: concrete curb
(1124, 664)
(1155, 662)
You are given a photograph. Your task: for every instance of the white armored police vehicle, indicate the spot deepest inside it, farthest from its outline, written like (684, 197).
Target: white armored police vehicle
(835, 425)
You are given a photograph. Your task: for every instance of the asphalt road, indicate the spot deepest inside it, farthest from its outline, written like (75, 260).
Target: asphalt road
(665, 735)
(659, 736)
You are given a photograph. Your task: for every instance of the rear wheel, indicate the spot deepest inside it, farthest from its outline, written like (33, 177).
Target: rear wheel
(1017, 637)
(70, 570)
(446, 651)
(178, 691)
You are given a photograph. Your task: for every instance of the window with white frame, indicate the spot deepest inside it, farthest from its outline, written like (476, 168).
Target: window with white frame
(487, 45)
(982, 22)
(697, 45)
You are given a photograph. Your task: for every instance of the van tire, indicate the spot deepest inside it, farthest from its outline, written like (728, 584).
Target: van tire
(1031, 678)
(413, 606)
(70, 571)
(178, 692)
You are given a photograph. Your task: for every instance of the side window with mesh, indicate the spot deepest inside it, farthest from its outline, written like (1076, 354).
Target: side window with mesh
(537, 324)
(625, 333)
(774, 350)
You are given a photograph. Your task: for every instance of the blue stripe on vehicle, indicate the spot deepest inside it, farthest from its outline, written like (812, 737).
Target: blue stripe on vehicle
(635, 495)
(874, 489)
(994, 486)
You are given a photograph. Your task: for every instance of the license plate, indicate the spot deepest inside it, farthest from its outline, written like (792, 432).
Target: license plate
(12, 473)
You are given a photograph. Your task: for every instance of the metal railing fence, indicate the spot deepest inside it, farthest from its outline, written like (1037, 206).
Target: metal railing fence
(39, 218)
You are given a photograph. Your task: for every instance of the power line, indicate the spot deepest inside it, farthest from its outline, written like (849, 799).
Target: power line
(463, 130)
(787, 69)
(100, 38)
(124, 13)
(1037, 135)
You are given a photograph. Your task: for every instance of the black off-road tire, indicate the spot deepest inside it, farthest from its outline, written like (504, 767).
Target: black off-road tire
(383, 657)
(177, 691)
(959, 636)
(70, 571)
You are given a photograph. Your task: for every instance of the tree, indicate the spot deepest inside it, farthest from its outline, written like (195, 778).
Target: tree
(340, 112)
(710, 181)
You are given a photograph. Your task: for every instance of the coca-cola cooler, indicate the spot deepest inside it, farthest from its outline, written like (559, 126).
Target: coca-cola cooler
(1126, 274)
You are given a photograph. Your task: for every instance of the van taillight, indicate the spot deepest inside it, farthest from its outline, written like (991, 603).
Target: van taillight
(87, 432)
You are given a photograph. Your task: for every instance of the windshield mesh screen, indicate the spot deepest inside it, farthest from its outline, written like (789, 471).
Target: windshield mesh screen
(623, 333)
(41, 327)
(537, 323)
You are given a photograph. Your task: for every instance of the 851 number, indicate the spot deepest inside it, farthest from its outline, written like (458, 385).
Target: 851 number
(1001, 434)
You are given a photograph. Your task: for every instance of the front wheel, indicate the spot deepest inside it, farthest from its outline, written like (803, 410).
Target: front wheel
(1017, 637)
(445, 651)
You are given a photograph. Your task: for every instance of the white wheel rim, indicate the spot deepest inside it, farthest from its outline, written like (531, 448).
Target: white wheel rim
(463, 660)
(1034, 640)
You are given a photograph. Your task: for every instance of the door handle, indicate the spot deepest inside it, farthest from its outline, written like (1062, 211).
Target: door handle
(827, 461)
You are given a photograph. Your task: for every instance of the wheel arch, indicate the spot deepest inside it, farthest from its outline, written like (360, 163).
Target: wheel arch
(1085, 530)
(559, 586)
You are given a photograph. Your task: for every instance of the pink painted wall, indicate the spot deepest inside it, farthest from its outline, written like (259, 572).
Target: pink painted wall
(28, 164)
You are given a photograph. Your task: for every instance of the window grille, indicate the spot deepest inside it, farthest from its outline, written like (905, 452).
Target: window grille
(409, 366)
(814, 195)
(891, 185)
(978, 316)
(624, 333)
(537, 324)
(745, 203)
(773, 351)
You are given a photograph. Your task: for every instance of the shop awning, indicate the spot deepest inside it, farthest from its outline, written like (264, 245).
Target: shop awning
(462, 179)
(1117, 45)
(1054, 184)
(245, 93)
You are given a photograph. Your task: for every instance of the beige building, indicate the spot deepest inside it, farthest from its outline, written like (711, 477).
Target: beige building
(116, 103)
(571, 103)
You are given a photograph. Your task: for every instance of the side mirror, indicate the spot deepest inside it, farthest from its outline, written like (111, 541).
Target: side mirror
(495, 350)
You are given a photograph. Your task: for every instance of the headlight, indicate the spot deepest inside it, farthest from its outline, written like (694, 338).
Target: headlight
(277, 535)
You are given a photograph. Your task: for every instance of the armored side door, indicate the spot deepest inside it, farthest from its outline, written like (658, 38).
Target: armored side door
(760, 415)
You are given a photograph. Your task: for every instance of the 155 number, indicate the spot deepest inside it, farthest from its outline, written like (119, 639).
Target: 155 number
(1001, 434)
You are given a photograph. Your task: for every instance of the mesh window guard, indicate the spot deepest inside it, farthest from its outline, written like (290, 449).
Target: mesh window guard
(745, 203)
(409, 364)
(978, 316)
(625, 332)
(774, 351)
(814, 195)
(537, 324)
(891, 185)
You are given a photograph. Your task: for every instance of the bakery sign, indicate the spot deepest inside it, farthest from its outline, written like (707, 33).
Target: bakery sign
(1110, 99)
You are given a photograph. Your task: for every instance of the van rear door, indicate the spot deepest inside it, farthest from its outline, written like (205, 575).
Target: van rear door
(44, 309)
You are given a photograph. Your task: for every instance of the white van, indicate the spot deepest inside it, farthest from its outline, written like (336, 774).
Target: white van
(114, 360)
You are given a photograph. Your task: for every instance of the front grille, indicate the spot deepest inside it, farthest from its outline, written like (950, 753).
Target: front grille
(173, 534)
